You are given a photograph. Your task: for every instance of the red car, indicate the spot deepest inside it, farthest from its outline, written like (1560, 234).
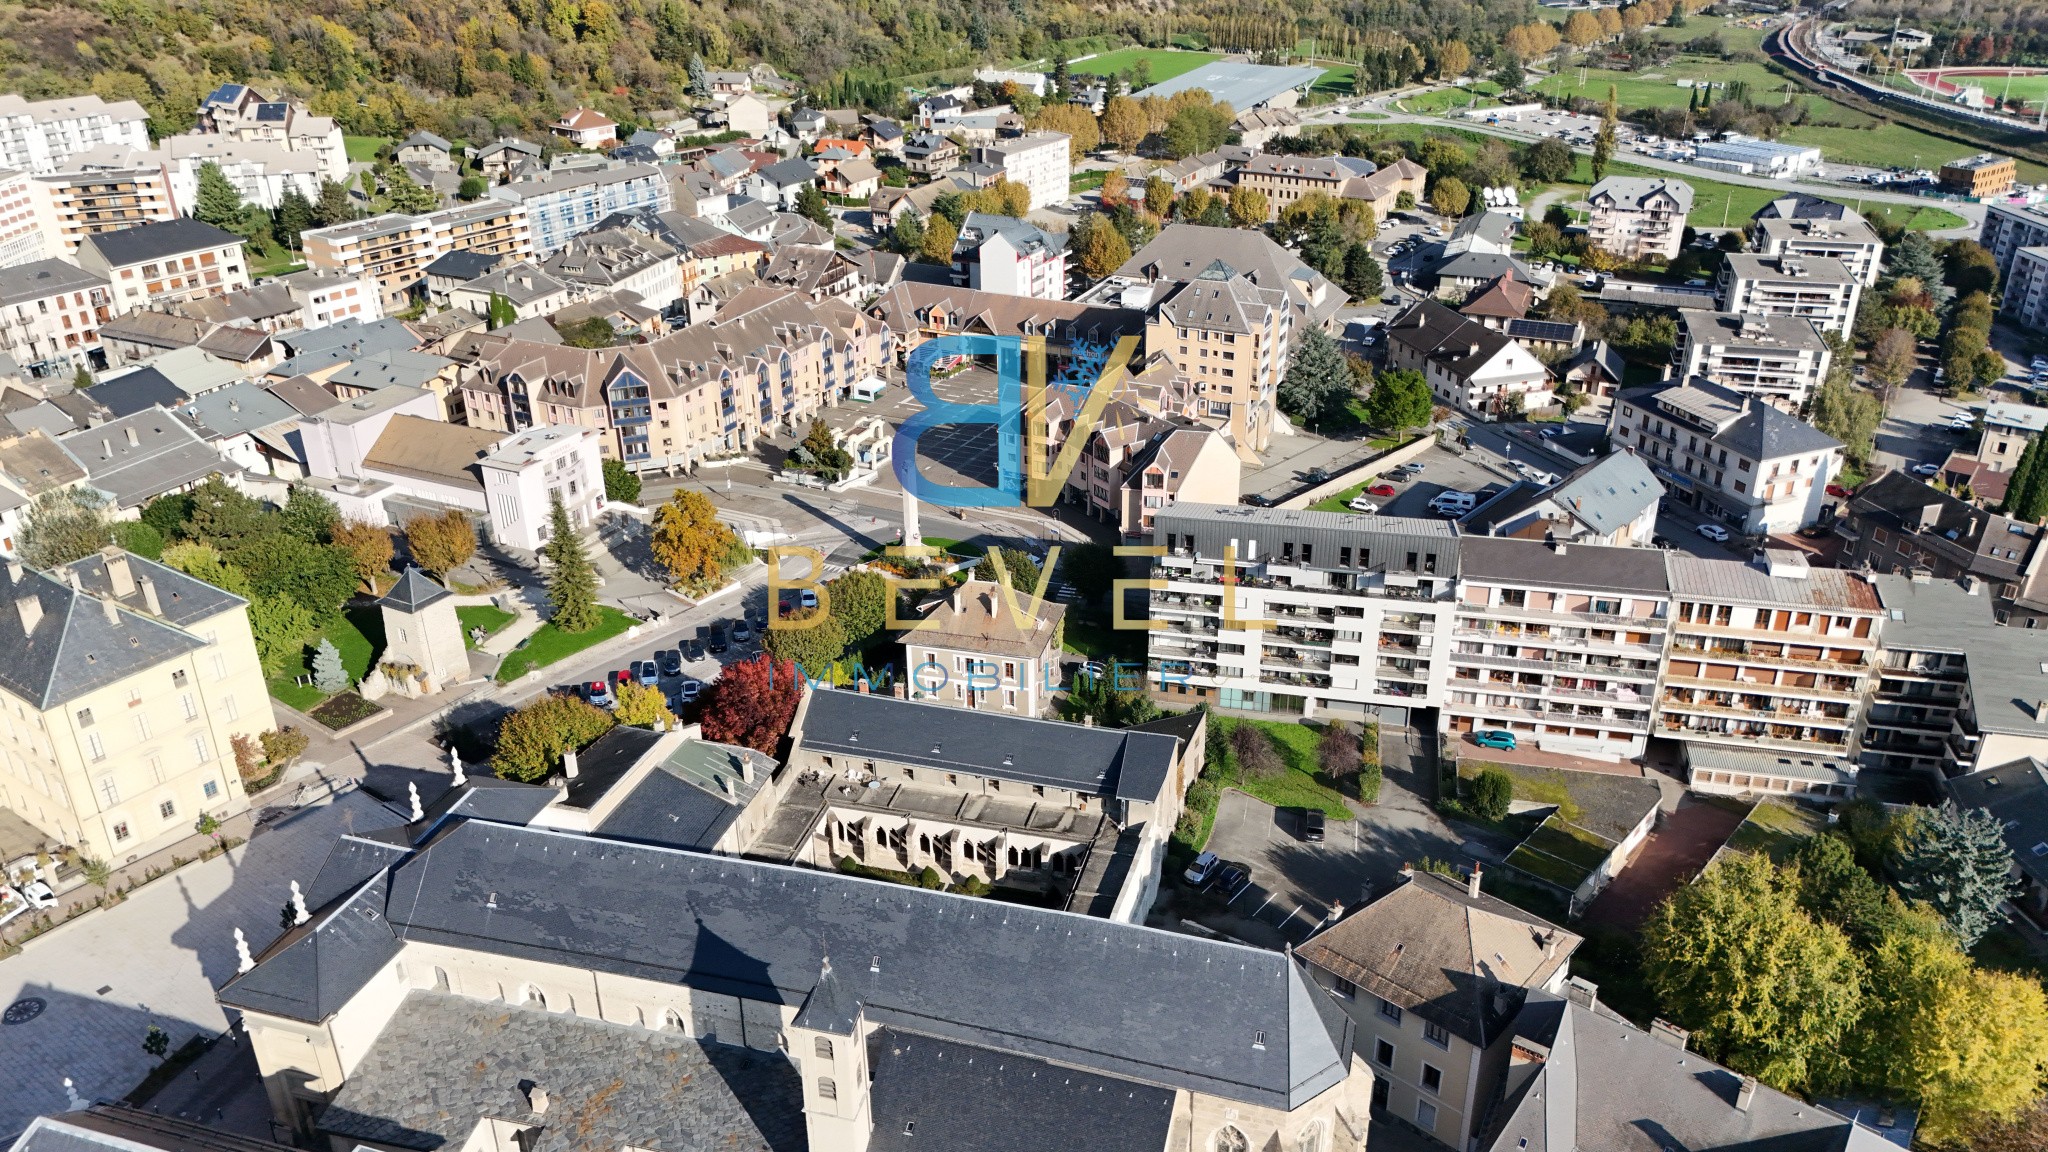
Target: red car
(1838, 490)
(623, 676)
(1380, 490)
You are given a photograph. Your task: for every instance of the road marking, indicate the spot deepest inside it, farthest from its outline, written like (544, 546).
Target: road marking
(1262, 904)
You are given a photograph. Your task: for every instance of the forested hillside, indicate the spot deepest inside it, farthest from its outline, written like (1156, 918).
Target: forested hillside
(469, 69)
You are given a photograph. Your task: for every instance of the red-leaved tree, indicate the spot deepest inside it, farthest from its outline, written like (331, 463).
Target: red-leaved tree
(752, 703)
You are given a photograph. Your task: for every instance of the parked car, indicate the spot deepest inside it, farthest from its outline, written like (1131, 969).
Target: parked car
(11, 904)
(1926, 469)
(1495, 738)
(1255, 500)
(1714, 532)
(1363, 506)
(1380, 490)
(688, 690)
(648, 672)
(1316, 476)
(599, 693)
(671, 662)
(1837, 490)
(718, 641)
(693, 649)
(741, 632)
(624, 676)
(1312, 820)
(38, 895)
(806, 599)
(1660, 542)
(1234, 878)
(1203, 867)
(1411, 468)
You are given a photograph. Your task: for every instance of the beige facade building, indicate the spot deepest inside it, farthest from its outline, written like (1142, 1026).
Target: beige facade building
(50, 314)
(1285, 179)
(165, 263)
(72, 205)
(127, 684)
(1847, 238)
(1776, 358)
(1818, 289)
(1229, 338)
(968, 650)
(1638, 218)
(394, 249)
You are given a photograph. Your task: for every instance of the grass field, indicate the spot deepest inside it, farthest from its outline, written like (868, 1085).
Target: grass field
(363, 149)
(1298, 785)
(1925, 219)
(2032, 88)
(1886, 145)
(483, 616)
(1164, 63)
(1441, 100)
(1337, 79)
(548, 645)
(1659, 88)
(1732, 38)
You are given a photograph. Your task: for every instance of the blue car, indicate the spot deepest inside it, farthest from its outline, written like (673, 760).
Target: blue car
(1495, 738)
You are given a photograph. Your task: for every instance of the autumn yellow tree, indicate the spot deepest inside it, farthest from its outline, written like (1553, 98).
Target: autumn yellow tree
(1083, 134)
(689, 539)
(1582, 29)
(1610, 21)
(640, 706)
(1124, 123)
(1114, 188)
(1102, 249)
(1453, 59)
(442, 543)
(937, 245)
(1247, 207)
(368, 547)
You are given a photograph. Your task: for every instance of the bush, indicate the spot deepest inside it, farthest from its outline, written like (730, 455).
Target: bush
(1491, 794)
(930, 878)
(1254, 752)
(1369, 784)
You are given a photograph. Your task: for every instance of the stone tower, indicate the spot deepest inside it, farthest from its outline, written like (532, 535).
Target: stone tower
(828, 1039)
(420, 628)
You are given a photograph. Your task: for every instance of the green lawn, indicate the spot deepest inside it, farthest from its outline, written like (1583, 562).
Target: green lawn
(1659, 87)
(1164, 63)
(547, 645)
(1776, 829)
(363, 149)
(1891, 144)
(1298, 785)
(1089, 632)
(1338, 502)
(277, 262)
(483, 616)
(1442, 100)
(358, 633)
(1337, 79)
(1732, 38)
(1919, 219)
(1086, 181)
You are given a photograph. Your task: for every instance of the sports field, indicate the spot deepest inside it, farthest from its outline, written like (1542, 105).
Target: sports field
(1660, 87)
(1164, 63)
(2031, 87)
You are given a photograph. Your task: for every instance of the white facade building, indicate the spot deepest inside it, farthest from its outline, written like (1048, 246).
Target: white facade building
(1779, 358)
(526, 471)
(563, 205)
(21, 234)
(1816, 289)
(43, 135)
(1010, 256)
(50, 313)
(1040, 162)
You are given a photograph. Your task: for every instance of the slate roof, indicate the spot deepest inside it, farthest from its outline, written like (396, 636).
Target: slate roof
(424, 139)
(133, 392)
(1801, 206)
(116, 1127)
(1093, 761)
(1432, 948)
(167, 455)
(75, 649)
(237, 408)
(2016, 793)
(1609, 492)
(979, 227)
(788, 173)
(1633, 193)
(1459, 344)
(1118, 999)
(349, 865)
(932, 1095)
(1581, 567)
(1182, 251)
(382, 370)
(1766, 432)
(414, 591)
(464, 264)
(2003, 663)
(690, 798)
(158, 239)
(43, 279)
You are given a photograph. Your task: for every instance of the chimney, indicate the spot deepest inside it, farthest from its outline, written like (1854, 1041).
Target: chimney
(536, 1098)
(746, 768)
(31, 610)
(106, 448)
(1667, 1032)
(1745, 1093)
(959, 601)
(861, 686)
(1930, 515)
(134, 441)
(1582, 992)
(569, 763)
(14, 571)
(119, 576)
(112, 610)
(149, 599)
(1472, 881)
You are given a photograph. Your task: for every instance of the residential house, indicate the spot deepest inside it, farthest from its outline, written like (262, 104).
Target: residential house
(1003, 254)
(164, 262)
(586, 128)
(751, 114)
(1779, 359)
(241, 113)
(1468, 365)
(620, 260)
(1596, 371)
(50, 316)
(1727, 456)
(1638, 218)
(1500, 302)
(1610, 500)
(929, 153)
(1175, 462)
(857, 179)
(1384, 188)
(996, 653)
(501, 158)
(1432, 974)
(427, 151)
(1899, 523)
(780, 183)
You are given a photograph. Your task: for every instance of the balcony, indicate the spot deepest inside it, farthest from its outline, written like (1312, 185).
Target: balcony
(1751, 654)
(1799, 639)
(1388, 670)
(1785, 736)
(1295, 679)
(1818, 692)
(1300, 637)
(1523, 612)
(1295, 660)
(1778, 713)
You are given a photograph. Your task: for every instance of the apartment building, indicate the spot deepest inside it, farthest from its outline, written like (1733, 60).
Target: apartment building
(966, 649)
(1777, 656)
(1985, 174)
(394, 249)
(262, 172)
(1730, 457)
(80, 202)
(769, 360)
(1298, 612)
(165, 262)
(2009, 228)
(492, 227)
(1847, 238)
(1003, 254)
(1559, 643)
(1038, 161)
(1468, 365)
(241, 113)
(563, 205)
(2025, 299)
(1286, 179)
(1931, 630)
(1435, 1011)
(1174, 463)
(2004, 431)
(1776, 358)
(21, 233)
(1638, 218)
(326, 297)
(119, 755)
(1898, 523)
(50, 314)
(1813, 288)
(1228, 336)
(43, 135)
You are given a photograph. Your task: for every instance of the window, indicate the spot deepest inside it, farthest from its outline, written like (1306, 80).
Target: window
(120, 831)
(1390, 1010)
(94, 747)
(209, 789)
(1436, 1034)
(1346, 988)
(828, 1089)
(191, 709)
(822, 1048)
(1432, 1079)
(1425, 1115)
(167, 809)
(1383, 1054)
(199, 751)
(227, 707)
(109, 791)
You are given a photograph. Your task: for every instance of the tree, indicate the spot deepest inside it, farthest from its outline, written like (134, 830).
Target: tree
(1115, 190)
(1078, 123)
(1764, 988)
(294, 216)
(1548, 161)
(1018, 565)
(1103, 249)
(282, 626)
(1450, 197)
(589, 332)
(1508, 72)
(64, 524)
(156, 1042)
(621, 485)
(1847, 413)
(812, 641)
(1581, 29)
(328, 673)
(369, 549)
(810, 204)
(1247, 207)
(404, 194)
(1196, 128)
(1399, 400)
(283, 745)
(936, 246)
(531, 741)
(1124, 123)
(1891, 361)
(139, 538)
(218, 203)
(860, 604)
(700, 77)
(224, 517)
(752, 702)
(1158, 196)
(441, 543)
(907, 234)
(335, 206)
(1318, 381)
(640, 706)
(1957, 861)
(1253, 750)
(1363, 276)
(2026, 494)
(1492, 793)
(1914, 256)
(2026, 1132)
(310, 516)
(1338, 751)
(471, 188)
(572, 582)
(1453, 59)
(204, 562)
(690, 540)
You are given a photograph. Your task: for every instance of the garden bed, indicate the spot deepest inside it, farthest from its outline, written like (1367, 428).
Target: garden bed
(343, 709)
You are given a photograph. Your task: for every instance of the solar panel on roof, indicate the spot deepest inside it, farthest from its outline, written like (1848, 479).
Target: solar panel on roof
(266, 112)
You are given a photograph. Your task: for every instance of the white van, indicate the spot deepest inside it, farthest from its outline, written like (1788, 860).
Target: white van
(1453, 503)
